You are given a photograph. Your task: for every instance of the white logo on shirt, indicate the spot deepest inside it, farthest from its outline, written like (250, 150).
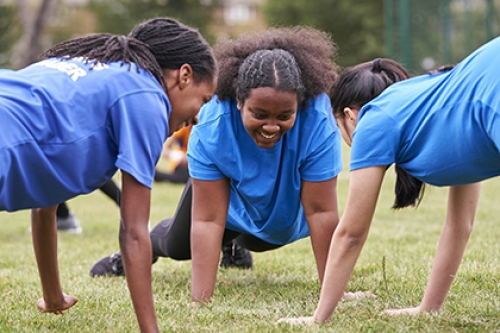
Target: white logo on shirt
(73, 70)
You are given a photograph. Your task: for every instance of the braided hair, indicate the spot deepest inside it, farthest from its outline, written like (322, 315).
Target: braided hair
(298, 59)
(156, 44)
(357, 86)
(269, 68)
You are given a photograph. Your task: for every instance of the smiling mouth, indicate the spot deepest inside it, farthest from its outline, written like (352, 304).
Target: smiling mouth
(267, 136)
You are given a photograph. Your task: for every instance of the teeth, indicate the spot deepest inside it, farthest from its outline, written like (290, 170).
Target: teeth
(268, 136)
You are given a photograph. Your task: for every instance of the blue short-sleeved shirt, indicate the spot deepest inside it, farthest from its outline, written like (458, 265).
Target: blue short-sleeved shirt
(443, 129)
(265, 183)
(67, 128)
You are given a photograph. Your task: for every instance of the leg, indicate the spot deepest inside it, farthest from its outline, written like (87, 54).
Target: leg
(255, 244)
(112, 191)
(66, 220)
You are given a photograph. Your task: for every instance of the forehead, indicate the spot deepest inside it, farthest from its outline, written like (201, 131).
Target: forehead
(271, 98)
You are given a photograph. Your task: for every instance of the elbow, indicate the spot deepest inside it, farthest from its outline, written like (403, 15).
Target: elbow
(350, 239)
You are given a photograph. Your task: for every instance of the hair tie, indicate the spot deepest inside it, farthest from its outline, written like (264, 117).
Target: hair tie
(376, 66)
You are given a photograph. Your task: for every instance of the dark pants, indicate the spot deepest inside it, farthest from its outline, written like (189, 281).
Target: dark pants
(172, 237)
(109, 188)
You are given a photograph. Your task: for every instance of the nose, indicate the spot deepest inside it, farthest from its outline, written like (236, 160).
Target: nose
(271, 127)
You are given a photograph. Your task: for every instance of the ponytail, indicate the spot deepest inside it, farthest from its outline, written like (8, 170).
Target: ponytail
(408, 190)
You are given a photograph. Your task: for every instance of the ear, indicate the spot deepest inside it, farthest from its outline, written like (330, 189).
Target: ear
(239, 105)
(185, 76)
(351, 114)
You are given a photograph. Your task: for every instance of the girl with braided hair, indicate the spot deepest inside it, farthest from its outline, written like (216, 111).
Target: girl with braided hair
(263, 159)
(442, 129)
(97, 104)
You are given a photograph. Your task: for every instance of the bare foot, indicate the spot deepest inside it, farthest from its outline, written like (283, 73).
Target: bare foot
(69, 301)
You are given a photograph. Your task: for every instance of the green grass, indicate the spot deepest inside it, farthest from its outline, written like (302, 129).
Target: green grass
(395, 264)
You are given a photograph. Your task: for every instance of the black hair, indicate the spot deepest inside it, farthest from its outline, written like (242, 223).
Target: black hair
(156, 44)
(269, 68)
(357, 86)
(296, 59)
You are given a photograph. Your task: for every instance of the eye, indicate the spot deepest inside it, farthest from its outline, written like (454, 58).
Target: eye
(285, 117)
(258, 115)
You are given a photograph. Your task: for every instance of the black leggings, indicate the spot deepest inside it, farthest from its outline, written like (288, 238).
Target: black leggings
(109, 188)
(172, 237)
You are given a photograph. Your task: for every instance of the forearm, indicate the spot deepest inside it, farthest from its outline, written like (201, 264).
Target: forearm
(206, 240)
(44, 235)
(321, 227)
(448, 257)
(136, 254)
(462, 205)
(342, 258)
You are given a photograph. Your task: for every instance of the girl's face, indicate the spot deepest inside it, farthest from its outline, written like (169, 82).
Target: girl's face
(347, 123)
(268, 114)
(186, 96)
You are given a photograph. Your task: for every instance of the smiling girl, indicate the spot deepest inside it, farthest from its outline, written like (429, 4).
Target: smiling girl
(264, 157)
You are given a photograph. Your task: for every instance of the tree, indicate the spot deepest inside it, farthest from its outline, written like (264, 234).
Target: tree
(355, 26)
(28, 47)
(10, 31)
(120, 16)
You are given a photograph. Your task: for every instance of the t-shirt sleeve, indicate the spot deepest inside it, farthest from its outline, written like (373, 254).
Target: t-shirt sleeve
(376, 141)
(140, 127)
(324, 159)
(201, 164)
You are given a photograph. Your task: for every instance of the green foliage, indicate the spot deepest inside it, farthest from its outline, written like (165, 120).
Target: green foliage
(356, 26)
(120, 16)
(10, 31)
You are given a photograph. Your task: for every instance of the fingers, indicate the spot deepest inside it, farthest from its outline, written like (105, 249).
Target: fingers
(297, 321)
(358, 295)
(69, 301)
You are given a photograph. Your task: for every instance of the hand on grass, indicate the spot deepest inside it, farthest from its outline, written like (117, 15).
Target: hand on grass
(358, 295)
(298, 321)
(43, 307)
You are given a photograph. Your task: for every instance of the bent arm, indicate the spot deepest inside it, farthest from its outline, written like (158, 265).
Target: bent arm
(462, 204)
(210, 206)
(319, 200)
(135, 246)
(349, 237)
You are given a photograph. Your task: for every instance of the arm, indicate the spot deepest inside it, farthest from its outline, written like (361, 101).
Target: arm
(44, 235)
(135, 246)
(462, 203)
(319, 200)
(349, 237)
(210, 205)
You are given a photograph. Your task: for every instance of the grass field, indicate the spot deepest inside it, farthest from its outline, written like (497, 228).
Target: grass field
(394, 264)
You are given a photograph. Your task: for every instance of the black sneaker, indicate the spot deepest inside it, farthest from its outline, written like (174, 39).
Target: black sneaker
(234, 255)
(108, 266)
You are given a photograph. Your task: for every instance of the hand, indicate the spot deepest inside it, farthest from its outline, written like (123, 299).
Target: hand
(358, 295)
(69, 301)
(407, 311)
(298, 321)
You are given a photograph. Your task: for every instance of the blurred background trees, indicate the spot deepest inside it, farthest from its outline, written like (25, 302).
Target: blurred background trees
(420, 34)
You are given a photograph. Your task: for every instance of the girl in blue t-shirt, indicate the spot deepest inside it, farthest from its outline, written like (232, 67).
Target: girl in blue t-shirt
(97, 104)
(442, 129)
(263, 159)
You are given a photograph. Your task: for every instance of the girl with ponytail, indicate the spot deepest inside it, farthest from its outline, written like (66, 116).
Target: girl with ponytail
(96, 105)
(441, 129)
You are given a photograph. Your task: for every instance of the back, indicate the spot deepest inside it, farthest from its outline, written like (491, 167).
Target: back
(67, 128)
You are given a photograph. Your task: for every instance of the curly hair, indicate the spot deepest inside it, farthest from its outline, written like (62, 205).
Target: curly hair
(313, 51)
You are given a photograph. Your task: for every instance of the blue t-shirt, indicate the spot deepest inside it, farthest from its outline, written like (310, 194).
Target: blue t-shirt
(443, 129)
(265, 183)
(67, 128)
